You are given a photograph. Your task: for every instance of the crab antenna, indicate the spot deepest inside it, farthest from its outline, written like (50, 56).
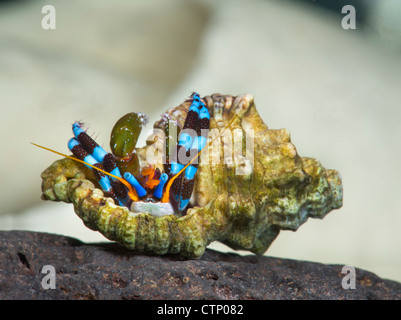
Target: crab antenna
(166, 195)
(131, 192)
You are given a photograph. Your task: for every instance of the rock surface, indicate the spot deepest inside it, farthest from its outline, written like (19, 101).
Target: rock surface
(109, 271)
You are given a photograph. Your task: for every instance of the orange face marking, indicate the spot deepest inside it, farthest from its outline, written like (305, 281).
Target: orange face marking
(149, 173)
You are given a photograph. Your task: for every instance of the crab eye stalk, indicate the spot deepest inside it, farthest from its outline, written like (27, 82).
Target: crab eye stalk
(124, 137)
(171, 131)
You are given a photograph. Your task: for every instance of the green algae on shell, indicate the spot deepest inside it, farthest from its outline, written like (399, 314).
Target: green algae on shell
(276, 190)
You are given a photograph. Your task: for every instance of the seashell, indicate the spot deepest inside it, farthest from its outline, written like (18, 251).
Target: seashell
(242, 199)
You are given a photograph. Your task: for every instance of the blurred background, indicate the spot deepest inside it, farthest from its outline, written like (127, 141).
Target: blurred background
(336, 90)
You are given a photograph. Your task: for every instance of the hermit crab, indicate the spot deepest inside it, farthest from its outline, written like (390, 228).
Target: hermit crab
(149, 195)
(211, 171)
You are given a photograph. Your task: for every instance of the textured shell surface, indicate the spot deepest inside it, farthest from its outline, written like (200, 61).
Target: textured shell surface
(242, 198)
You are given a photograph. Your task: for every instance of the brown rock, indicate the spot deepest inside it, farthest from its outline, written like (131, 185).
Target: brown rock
(110, 271)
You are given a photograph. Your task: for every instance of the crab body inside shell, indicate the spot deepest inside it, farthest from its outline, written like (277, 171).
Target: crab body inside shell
(148, 191)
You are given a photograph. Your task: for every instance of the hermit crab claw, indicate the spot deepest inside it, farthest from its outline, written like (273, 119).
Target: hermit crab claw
(123, 140)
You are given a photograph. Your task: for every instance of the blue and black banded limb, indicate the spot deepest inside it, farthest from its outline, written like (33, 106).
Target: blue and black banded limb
(192, 140)
(104, 181)
(86, 149)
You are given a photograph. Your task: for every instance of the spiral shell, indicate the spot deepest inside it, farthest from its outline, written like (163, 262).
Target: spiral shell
(241, 201)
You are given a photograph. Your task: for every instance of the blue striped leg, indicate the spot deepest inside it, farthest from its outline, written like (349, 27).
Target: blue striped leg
(104, 181)
(198, 118)
(103, 157)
